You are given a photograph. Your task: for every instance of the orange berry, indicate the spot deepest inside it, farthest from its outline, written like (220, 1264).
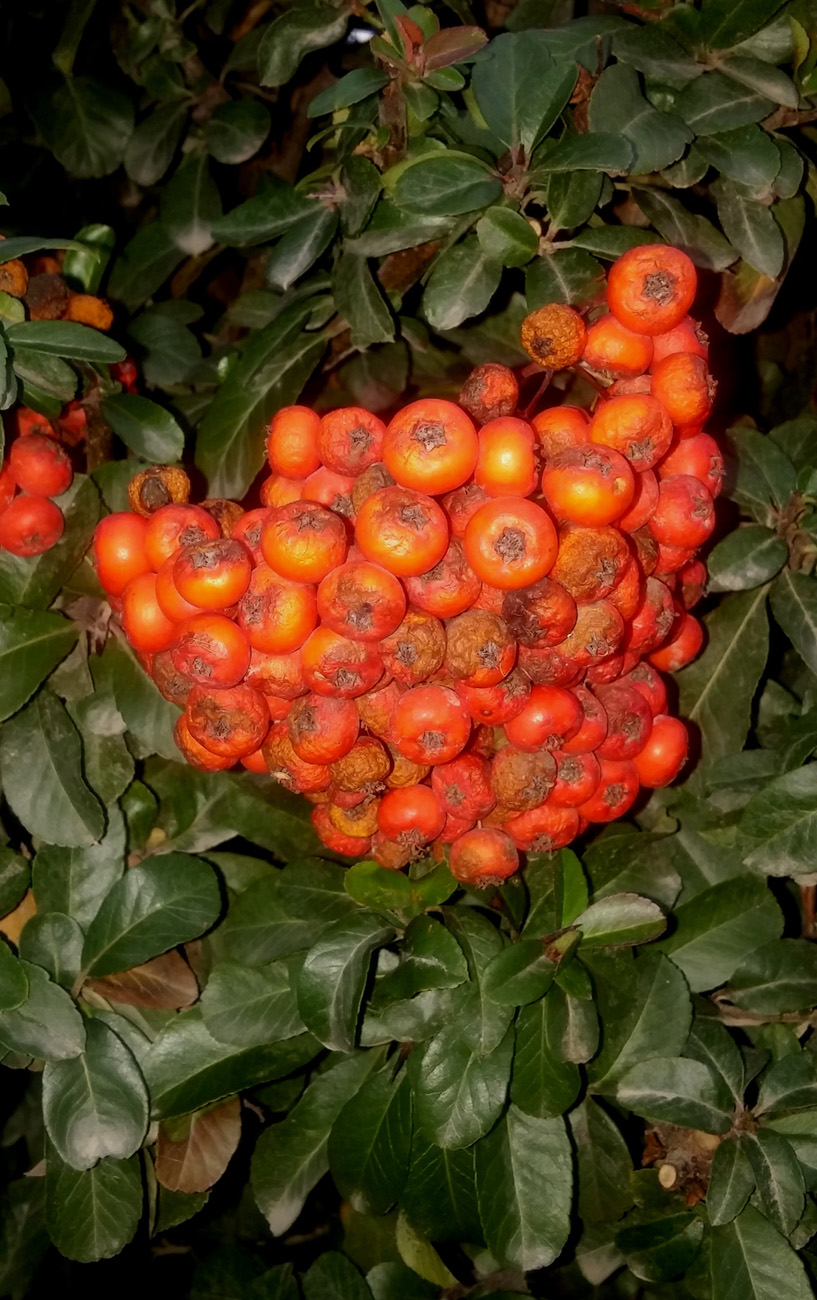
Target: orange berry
(303, 541)
(361, 601)
(650, 289)
(554, 336)
(510, 542)
(560, 427)
(211, 650)
(637, 425)
(334, 665)
(615, 350)
(174, 526)
(506, 464)
(229, 721)
(489, 391)
(430, 446)
(40, 466)
(276, 614)
(350, 440)
(30, 525)
(404, 531)
(684, 385)
(213, 575)
(292, 442)
(687, 336)
(483, 857)
(119, 550)
(588, 485)
(146, 625)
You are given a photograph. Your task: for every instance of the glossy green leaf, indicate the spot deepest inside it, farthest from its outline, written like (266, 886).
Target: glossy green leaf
(13, 980)
(542, 1083)
(659, 1247)
(572, 1026)
(186, 1069)
(152, 145)
(444, 184)
(246, 1006)
(794, 605)
(751, 1259)
(270, 373)
(360, 301)
(46, 1025)
(780, 1188)
(506, 237)
(331, 981)
(270, 213)
(764, 473)
(520, 89)
(777, 977)
(155, 906)
(62, 338)
(430, 958)
(40, 760)
(290, 38)
(747, 155)
(458, 1092)
(710, 1042)
(731, 1181)
(778, 824)
(440, 1197)
(92, 1214)
(356, 85)
(789, 1085)
(521, 973)
(645, 1012)
(725, 25)
(334, 1277)
(95, 1105)
(15, 874)
(716, 103)
(143, 265)
(687, 230)
(145, 427)
(237, 130)
(54, 942)
(679, 1091)
(751, 229)
(572, 198)
(620, 919)
(716, 691)
(88, 126)
(286, 912)
(525, 1229)
(32, 643)
(653, 50)
(462, 283)
(370, 1143)
(570, 276)
(74, 881)
(149, 717)
(746, 558)
(291, 1156)
(191, 205)
(603, 1162)
(719, 927)
(300, 247)
(482, 1021)
(617, 104)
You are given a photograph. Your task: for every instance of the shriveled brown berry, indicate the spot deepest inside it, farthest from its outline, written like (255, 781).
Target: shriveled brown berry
(554, 336)
(366, 765)
(371, 480)
(226, 513)
(228, 721)
(480, 650)
(157, 486)
(490, 391)
(520, 780)
(46, 296)
(540, 615)
(415, 649)
(548, 665)
(87, 309)
(590, 561)
(495, 705)
(389, 853)
(174, 686)
(404, 772)
(360, 820)
(287, 768)
(597, 634)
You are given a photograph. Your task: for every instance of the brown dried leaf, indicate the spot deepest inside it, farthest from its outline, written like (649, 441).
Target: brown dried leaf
(192, 1152)
(166, 982)
(745, 299)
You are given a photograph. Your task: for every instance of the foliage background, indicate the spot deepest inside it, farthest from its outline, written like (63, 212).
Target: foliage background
(278, 205)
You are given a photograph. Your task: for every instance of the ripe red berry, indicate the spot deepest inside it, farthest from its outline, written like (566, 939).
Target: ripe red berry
(40, 466)
(30, 525)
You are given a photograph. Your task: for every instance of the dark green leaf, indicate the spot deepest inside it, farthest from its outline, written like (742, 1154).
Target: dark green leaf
(84, 270)
(391, 230)
(789, 1085)
(777, 1174)
(186, 1069)
(604, 1164)
(13, 980)
(143, 266)
(286, 912)
(570, 276)
(440, 1197)
(40, 759)
(645, 1012)
(572, 198)
(23, 1237)
(731, 1181)
(719, 927)
(542, 1083)
(191, 205)
(301, 246)
(35, 582)
(654, 51)
(506, 237)
(751, 1259)
(88, 126)
(290, 38)
(21, 245)
(709, 1041)
(164, 902)
(290, 1157)
(14, 879)
(724, 25)
(444, 184)
(458, 1092)
(32, 643)
(715, 103)
(765, 474)
(46, 1025)
(145, 427)
(331, 981)
(746, 558)
(360, 301)
(611, 241)
(751, 229)
(763, 79)
(794, 605)
(270, 373)
(679, 1091)
(152, 145)
(688, 231)
(747, 155)
(361, 187)
(778, 824)
(626, 862)
(525, 1229)
(149, 717)
(356, 85)
(47, 381)
(74, 881)
(596, 151)
(482, 1022)
(660, 1247)
(520, 89)
(777, 977)
(95, 1105)
(237, 130)
(53, 941)
(462, 283)
(370, 1143)
(716, 691)
(430, 958)
(572, 1026)
(334, 1277)
(270, 213)
(92, 1214)
(617, 104)
(62, 338)
(519, 974)
(247, 1006)
(620, 919)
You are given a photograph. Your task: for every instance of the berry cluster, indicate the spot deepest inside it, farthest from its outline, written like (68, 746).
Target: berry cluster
(37, 468)
(443, 636)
